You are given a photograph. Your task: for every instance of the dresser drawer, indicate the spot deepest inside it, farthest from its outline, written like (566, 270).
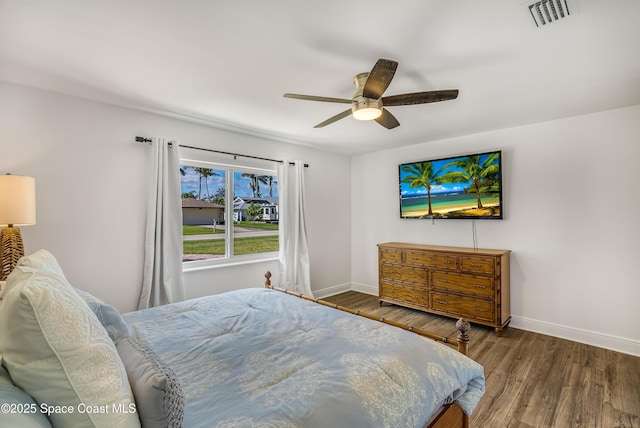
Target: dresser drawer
(404, 273)
(466, 307)
(401, 293)
(424, 258)
(390, 255)
(478, 264)
(481, 286)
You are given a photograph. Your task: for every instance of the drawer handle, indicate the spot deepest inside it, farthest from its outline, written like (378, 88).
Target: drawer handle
(442, 280)
(480, 310)
(479, 286)
(441, 302)
(446, 262)
(418, 297)
(476, 264)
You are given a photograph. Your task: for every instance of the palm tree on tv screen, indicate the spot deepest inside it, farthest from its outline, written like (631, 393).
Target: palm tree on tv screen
(421, 174)
(480, 174)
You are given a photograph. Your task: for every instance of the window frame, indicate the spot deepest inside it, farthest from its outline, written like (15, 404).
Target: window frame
(229, 259)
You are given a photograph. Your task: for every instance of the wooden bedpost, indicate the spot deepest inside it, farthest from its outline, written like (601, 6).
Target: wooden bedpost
(463, 327)
(267, 282)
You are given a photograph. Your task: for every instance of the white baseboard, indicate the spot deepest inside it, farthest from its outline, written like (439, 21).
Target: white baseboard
(364, 288)
(614, 343)
(343, 288)
(333, 290)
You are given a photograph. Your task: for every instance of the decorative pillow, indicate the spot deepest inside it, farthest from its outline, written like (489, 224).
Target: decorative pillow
(18, 408)
(56, 350)
(42, 260)
(159, 397)
(108, 316)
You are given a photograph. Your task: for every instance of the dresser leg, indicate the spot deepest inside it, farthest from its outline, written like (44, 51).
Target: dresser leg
(500, 330)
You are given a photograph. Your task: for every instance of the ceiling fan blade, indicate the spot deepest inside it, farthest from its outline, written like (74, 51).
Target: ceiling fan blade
(315, 98)
(387, 120)
(379, 78)
(420, 97)
(335, 118)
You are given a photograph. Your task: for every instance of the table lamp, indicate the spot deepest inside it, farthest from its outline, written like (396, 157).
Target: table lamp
(17, 208)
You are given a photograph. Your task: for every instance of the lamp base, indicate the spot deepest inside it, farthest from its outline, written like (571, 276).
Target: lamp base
(12, 249)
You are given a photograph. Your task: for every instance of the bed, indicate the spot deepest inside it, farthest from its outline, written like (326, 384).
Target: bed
(255, 357)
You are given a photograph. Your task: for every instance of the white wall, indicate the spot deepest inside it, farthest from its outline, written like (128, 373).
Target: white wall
(570, 187)
(91, 192)
(572, 198)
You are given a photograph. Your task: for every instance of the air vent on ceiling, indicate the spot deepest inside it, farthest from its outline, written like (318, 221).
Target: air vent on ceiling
(545, 12)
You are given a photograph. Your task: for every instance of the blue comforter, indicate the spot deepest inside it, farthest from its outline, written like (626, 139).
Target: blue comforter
(260, 358)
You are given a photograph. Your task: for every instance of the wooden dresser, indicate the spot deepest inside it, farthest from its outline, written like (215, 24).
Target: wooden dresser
(452, 281)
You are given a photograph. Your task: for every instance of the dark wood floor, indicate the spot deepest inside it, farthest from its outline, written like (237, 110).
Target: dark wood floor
(533, 380)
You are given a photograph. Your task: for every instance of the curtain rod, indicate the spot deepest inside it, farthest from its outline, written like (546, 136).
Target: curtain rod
(149, 140)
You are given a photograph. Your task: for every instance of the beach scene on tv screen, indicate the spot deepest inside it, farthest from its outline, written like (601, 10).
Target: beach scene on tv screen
(460, 187)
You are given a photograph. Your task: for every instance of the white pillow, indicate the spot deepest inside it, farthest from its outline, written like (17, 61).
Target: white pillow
(43, 261)
(56, 350)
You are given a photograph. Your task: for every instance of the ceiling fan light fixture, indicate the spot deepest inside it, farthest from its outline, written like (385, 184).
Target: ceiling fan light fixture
(366, 113)
(368, 99)
(366, 109)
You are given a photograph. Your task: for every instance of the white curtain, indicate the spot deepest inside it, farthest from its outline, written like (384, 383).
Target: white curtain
(294, 251)
(162, 276)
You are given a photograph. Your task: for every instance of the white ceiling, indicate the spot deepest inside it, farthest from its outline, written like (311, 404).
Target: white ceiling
(228, 63)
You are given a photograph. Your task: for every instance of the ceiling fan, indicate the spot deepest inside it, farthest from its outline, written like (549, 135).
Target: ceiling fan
(369, 104)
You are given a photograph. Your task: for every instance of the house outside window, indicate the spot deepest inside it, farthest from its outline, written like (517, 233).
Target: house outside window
(268, 206)
(252, 232)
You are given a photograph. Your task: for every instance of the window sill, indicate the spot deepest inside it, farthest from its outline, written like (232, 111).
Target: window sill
(224, 263)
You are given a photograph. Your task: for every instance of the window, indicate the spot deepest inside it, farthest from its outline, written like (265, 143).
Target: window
(213, 193)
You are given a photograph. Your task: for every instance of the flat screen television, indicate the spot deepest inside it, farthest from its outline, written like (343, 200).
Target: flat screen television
(461, 187)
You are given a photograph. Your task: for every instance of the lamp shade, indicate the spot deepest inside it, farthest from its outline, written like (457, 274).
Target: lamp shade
(17, 200)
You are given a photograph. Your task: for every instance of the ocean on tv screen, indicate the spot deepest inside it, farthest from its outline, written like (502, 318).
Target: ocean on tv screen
(451, 205)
